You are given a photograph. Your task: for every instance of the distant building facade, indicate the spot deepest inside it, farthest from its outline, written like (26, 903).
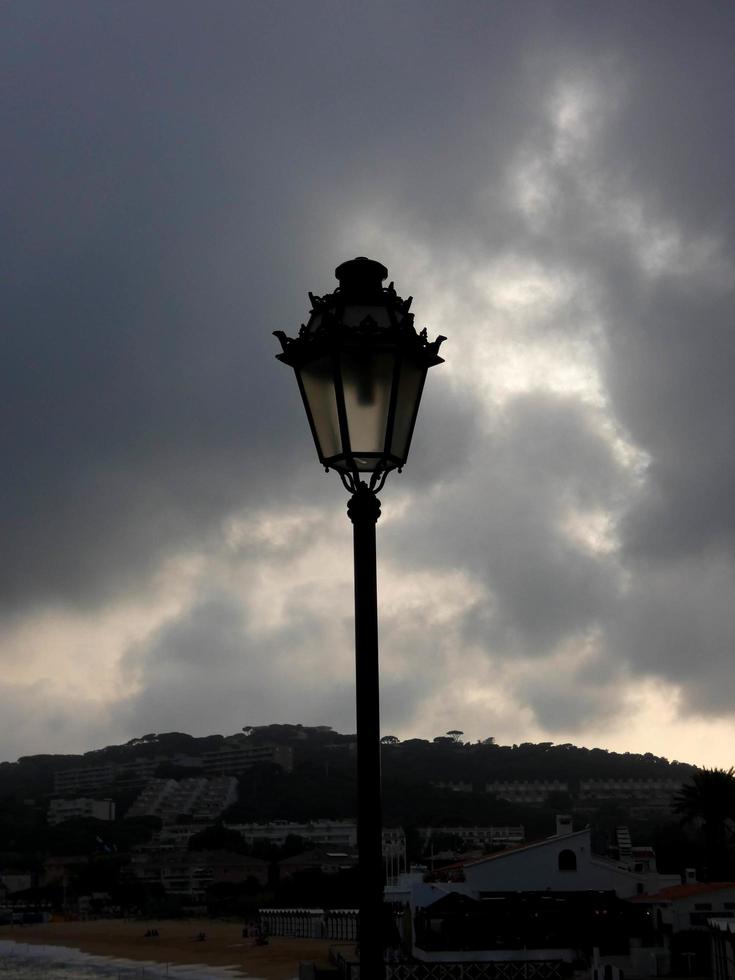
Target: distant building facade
(530, 791)
(331, 833)
(651, 792)
(92, 778)
(722, 937)
(691, 905)
(235, 757)
(61, 810)
(188, 874)
(476, 837)
(201, 799)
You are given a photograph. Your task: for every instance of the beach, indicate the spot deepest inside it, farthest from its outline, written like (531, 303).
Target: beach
(176, 944)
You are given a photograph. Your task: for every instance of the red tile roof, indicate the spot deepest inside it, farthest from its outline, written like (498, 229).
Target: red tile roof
(676, 892)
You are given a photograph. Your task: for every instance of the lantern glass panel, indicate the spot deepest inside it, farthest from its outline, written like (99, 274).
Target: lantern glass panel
(367, 378)
(317, 378)
(409, 393)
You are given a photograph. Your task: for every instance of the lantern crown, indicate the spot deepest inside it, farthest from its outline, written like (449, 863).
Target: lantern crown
(361, 277)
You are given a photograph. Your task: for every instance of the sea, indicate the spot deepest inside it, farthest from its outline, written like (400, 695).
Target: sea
(22, 961)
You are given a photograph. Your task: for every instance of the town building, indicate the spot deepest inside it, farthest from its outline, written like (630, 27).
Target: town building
(563, 862)
(81, 780)
(188, 874)
(722, 937)
(331, 833)
(536, 908)
(16, 881)
(324, 859)
(335, 833)
(60, 867)
(171, 837)
(60, 810)
(91, 778)
(681, 907)
(652, 793)
(515, 935)
(529, 791)
(201, 799)
(475, 837)
(236, 756)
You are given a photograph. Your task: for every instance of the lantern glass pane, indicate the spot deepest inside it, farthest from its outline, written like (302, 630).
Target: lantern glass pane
(317, 378)
(409, 393)
(367, 378)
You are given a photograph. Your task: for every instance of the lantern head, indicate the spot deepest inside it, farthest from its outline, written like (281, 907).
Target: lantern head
(361, 367)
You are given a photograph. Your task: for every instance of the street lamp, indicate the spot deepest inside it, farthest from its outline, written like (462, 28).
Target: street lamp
(361, 366)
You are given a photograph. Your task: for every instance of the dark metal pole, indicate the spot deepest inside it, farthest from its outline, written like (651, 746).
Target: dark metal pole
(363, 510)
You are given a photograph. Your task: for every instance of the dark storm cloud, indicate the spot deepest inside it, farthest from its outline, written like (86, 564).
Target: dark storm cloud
(204, 666)
(164, 181)
(176, 180)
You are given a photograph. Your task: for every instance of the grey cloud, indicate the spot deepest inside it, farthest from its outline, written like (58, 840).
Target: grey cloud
(176, 181)
(501, 520)
(36, 718)
(205, 667)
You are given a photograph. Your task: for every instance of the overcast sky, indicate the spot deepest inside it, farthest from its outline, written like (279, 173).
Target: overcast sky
(553, 183)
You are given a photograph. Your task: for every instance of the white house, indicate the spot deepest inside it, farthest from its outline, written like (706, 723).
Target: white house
(691, 905)
(564, 862)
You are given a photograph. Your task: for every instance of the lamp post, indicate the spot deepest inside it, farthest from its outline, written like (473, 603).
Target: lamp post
(361, 366)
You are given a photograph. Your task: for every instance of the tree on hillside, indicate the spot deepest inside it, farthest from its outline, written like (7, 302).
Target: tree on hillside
(455, 734)
(217, 838)
(389, 740)
(709, 800)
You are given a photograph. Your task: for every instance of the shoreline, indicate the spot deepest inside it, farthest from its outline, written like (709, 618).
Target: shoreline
(176, 945)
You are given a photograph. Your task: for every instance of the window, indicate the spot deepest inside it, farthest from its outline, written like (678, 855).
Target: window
(567, 860)
(703, 906)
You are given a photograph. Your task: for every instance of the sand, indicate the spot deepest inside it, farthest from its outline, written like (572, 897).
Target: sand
(224, 945)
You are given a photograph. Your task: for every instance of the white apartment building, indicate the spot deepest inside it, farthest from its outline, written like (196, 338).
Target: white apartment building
(97, 777)
(477, 837)
(171, 837)
(526, 790)
(202, 799)
(335, 833)
(78, 780)
(61, 810)
(236, 757)
(330, 833)
(653, 792)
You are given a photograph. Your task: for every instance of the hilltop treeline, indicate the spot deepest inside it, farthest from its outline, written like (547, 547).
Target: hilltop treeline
(322, 783)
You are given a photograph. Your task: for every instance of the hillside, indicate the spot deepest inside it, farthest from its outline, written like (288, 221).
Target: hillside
(322, 780)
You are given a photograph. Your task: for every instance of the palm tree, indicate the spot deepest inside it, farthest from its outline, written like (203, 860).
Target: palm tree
(709, 801)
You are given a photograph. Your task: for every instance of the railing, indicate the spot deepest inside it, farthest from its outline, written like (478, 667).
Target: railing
(478, 970)
(338, 924)
(349, 969)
